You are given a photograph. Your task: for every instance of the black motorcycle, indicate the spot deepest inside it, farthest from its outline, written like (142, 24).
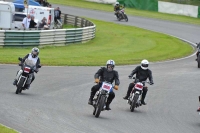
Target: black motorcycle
(122, 15)
(101, 97)
(27, 68)
(198, 58)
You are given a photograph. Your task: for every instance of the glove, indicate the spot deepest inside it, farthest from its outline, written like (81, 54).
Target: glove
(130, 76)
(151, 83)
(116, 87)
(37, 70)
(96, 81)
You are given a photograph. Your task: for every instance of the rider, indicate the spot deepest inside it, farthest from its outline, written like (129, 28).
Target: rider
(105, 74)
(35, 58)
(198, 46)
(142, 73)
(198, 110)
(117, 8)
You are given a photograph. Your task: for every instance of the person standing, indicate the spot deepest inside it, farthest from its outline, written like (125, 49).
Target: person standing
(26, 22)
(57, 14)
(33, 24)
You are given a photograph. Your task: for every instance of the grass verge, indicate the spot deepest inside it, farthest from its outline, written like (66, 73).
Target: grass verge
(129, 11)
(124, 44)
(4, 129)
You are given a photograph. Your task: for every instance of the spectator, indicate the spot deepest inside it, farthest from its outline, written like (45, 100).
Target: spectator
(43, 23)
(57, 14)
(49, 6)
(33, 24)
(26, 22)
(45, 3)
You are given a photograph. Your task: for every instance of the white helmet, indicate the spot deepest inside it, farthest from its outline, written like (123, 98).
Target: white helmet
(117, 3)
(35, 52)
(110, 62)
(144, 64)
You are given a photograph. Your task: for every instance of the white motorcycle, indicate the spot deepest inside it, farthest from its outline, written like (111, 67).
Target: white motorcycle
(136, 94)
(122, 15)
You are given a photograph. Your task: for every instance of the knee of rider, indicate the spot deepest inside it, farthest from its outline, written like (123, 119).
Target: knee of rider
(145, 88)
(112, 94)
(131, 84)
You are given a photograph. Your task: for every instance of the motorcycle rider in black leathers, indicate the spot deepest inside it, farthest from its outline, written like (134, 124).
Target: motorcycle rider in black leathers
(35, 58)
(198, 110)
(198, 46)
(117, 8)
(142, 73)
(105, 74)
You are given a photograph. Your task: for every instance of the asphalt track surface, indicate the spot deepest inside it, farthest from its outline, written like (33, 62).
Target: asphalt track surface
(57, 100)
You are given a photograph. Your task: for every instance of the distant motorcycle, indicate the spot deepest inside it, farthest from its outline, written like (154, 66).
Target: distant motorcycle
(27, 68)
(101, 97)
(122, 15)
(135, 97)
(198, 58)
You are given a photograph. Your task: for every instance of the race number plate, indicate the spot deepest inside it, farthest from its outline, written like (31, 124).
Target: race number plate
(106, 86)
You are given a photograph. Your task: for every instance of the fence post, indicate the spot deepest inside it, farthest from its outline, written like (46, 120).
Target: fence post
(65, 19)
(82, 22)
(76, 19)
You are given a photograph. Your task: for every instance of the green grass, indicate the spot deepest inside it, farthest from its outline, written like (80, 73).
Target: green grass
(67, 26)
(129, 11)
(124, 44)
(4, 129)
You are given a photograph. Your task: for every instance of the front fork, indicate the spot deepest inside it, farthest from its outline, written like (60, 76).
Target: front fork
(130, 99)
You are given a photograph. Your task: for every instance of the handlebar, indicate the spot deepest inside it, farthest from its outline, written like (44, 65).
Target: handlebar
(137, 80)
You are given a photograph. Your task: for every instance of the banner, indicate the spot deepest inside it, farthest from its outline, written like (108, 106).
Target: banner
(179, 9)
(151, 5)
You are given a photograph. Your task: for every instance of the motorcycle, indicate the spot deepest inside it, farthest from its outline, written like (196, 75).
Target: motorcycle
(136, 94)
(27, 68)
(101, 97)
(198, 58)
(122, 15)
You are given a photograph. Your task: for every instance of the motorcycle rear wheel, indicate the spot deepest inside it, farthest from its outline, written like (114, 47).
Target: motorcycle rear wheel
(133, 104)
(100, 106)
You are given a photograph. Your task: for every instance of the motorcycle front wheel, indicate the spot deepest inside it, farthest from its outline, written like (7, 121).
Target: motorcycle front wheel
(126, 18)
(133, 104)
(100, 106)
(19, 86)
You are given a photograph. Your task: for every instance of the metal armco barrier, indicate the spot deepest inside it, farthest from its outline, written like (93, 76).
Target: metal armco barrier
(55, 37)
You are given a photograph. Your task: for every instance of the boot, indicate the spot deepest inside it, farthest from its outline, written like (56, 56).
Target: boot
(143, 102)
(15, 82)
(143, 97)
(126, 97)
(198, 110)
(130, 87)
(27, 86)
(108, 105)
(90, 101)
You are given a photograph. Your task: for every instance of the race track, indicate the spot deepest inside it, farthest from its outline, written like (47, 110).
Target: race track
(57, 99)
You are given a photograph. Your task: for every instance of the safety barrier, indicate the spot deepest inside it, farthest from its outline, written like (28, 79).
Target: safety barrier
(34, 37)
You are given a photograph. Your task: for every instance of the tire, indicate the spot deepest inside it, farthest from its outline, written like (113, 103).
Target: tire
(126, 18)
(19, 86)
(198, 61)
(100, 106)
(133, 104)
